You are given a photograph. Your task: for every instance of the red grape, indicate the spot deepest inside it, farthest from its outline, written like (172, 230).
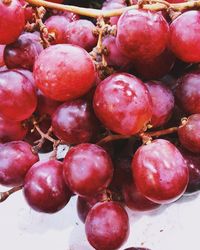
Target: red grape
(87, 169)
(107, 226)
(80, 33)
(11, 130)
(185, 35)
(2, 47)
(123, 104)
(189, 135)
(16, 158)
(114, 57)
(46, 105)
(155, 68)
(74, 122)
(188, 92)
(163, 102)
(142, 34)
(70, 16)
(193, 163)
(28, 74)
(23, 52)
(135, 200)
(112, 5)
(12, 21)
(17, 95)
(57, 26)
(44, 187)
(64, 72)
(160, 171)
(84, 205)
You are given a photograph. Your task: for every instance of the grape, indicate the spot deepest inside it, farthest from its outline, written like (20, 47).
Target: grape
(28, 12)
(59, 76)
(123, 104)
(160, 171)
(188, 92)
(74, 122)
(28, 74)
(142, 34)
(84, 205)
(46, 105)
(87, 169)
(56, 25)
(16, 158)
(155, 68)
(135, 200)
(114, 57)
(163, 102)
(11, 130)
(185, 35)
(44, 187)
(12, 21)
(17, 95)
(70, 16)
(112, 5)
(189, 135)
(23, 52)
(193, 163)
(2, 63)
(80, 33)
(107, 226)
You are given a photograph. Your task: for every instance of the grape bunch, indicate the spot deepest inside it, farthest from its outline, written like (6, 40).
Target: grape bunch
(116, 81)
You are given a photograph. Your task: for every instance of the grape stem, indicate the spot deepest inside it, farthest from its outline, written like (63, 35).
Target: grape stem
(159, 5)
(6, 194)
(146, 136)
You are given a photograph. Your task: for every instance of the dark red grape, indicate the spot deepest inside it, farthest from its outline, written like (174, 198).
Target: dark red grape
(87, 169)
(188, 92)
(184, 36)
(44, 187)
(142, 34)
(16, 158)
(11, 130)
(135, 200)
(80, 33)
(193, 163)
(114, 57)
(12, 21)
(56, 26)
(2, 47)
(59, 76)
(23, 52)
(84, 205)
(74, 122)
(155, 68)
(46, 105)
(189, 135)
(160, 171)
(17, 95)
(163, 102)
(107, 226)
(123, 104)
